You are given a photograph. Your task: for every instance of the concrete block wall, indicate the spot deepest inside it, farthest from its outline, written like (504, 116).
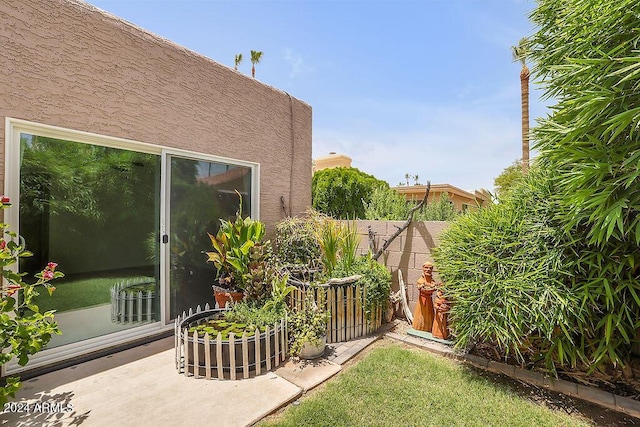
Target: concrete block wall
(407, 252)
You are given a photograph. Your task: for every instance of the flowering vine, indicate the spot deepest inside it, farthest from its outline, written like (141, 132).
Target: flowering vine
(24, 330)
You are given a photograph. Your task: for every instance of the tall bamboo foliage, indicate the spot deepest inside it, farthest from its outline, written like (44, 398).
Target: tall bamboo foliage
(503, 269)
(553, 272)
(587, 54)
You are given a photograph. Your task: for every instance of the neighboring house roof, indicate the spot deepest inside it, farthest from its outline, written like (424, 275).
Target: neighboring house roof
(419, 190)
(333, 160)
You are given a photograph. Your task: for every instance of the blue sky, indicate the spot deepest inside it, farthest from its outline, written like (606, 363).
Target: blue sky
(421, 87)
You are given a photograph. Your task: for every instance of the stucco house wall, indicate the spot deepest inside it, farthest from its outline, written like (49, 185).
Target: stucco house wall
(66, 63)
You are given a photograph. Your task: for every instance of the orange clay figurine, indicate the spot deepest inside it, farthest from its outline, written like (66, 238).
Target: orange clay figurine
(441, 307)
(423, 313)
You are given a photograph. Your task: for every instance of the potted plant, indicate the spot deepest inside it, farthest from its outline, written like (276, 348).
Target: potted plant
(238, 255)
(308, 329)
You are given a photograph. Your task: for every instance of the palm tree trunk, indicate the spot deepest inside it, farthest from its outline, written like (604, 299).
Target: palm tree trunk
(524, 89)
(253, 71)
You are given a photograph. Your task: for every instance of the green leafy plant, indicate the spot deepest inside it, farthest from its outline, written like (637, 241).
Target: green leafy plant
(375, 279)
(296, 243)
(388, 204)
(508, 178)
(261, 273)
(342, 192)
(329, 236)
(307, 325)
(503, 268)
(24, 330)
(280, 290)
(234, 250)
(248, 315)
(213, 327)
(349, 243)
(586, 57)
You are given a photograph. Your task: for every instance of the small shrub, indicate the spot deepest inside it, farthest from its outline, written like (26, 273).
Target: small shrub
(296, 242)
(376, 280)
(307, 324)
(388, 204)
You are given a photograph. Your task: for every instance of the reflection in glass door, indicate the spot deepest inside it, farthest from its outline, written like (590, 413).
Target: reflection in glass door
(94, 210)
(200, 193)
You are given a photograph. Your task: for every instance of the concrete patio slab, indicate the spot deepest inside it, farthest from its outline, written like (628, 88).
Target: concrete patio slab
(308, 374)
(146, 391)
(141, 387)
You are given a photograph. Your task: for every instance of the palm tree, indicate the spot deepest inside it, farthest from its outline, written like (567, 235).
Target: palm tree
(406, 176)
(238, 60)
(520, 53)
(255, 59)
(415, 178)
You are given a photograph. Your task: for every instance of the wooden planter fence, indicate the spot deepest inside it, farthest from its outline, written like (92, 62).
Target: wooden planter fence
(235, 358)
(128, 306)
(345, 301)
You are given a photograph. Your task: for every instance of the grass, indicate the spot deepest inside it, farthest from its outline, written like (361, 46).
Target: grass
(77, 294)
(393, 385)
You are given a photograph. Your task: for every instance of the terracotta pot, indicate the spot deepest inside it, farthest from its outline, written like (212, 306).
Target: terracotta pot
(224, 296)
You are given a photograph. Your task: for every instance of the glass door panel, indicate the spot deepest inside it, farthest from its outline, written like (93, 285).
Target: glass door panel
(201, 192)
(94, 210)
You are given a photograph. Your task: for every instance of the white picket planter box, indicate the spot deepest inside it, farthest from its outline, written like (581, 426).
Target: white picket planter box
(130, 306)
(345, 301)
(211, 357)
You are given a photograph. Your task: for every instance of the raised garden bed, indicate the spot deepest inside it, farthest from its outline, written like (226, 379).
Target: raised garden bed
(226, 355)
(133, 301)
(344, 298)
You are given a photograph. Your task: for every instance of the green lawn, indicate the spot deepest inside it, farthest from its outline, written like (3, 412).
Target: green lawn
(405, 387)
(77, 294)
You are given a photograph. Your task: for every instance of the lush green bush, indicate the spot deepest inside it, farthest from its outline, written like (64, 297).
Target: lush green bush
(376, 280)
(296, 241)
(387, 204)
(503, 270)
(586, 55)
(342, 192)
(440, 210)
(508, 178)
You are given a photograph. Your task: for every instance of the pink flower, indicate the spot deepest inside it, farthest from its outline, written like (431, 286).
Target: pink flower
(4, 199)
(47, 274)
(12, 289)
(52, 266)
(3, 244)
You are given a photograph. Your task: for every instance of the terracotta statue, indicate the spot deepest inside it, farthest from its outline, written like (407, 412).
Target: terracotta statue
(441, 307)
(423, 313)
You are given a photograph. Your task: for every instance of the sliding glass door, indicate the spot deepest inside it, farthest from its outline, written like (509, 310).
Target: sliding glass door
(94, 210)
(126, 222)
(200, 193)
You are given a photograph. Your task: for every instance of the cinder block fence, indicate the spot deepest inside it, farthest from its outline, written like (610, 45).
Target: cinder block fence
(407, 252)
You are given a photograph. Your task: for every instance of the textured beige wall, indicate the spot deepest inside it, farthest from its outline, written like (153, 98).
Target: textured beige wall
(407, 252)
(67, 64)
